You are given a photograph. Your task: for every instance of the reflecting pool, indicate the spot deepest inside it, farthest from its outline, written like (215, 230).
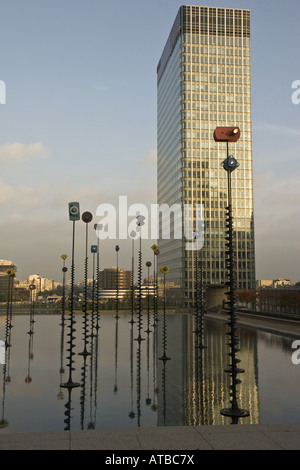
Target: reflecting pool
(124, 383)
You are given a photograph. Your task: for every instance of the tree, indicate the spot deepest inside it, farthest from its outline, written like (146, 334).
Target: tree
(247, 296)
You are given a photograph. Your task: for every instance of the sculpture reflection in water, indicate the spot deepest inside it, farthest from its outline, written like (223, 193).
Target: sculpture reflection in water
(164, 357)
(199, 301)
(186, 390)
(7, 343)
(28, 378)
(148, 264)
(89, 381)
(143, 385)
(155, 285)
(116, 353)
(131, 413)
(6, 380)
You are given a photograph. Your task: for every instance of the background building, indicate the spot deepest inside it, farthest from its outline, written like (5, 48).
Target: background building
(4, 266)
(109, 277)
(113, 279)
(42, 283)
(204, 81)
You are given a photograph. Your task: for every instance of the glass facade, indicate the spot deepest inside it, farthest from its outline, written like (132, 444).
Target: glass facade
(204, 81)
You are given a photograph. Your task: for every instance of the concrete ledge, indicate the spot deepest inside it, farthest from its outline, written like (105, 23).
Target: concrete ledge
(227, 437)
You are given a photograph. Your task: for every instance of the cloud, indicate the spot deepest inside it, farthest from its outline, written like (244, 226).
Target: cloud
(101, 88)
(7, 193)
(150, 159)
(277, 225)
(272, 191)
(23, 197)
(17, 151)
(263, 126)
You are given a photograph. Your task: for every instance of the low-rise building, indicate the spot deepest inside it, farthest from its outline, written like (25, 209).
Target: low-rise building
(113, 278)
(6, 265)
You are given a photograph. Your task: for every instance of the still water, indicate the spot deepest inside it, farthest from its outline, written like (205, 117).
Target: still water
(124, 383)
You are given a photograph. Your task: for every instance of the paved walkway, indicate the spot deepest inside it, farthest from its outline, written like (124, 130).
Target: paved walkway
(183, 438)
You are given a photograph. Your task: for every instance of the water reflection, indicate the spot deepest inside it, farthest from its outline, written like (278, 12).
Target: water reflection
(123, 382)
(197, 384)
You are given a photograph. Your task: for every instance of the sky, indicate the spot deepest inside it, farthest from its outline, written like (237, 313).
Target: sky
(78, 123)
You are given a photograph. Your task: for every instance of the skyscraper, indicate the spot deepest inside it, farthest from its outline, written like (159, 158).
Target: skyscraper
(204, 81)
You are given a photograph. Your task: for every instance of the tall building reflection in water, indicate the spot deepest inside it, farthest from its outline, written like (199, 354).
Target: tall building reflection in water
(195, 383)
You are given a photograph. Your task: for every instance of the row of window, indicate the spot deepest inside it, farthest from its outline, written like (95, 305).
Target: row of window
(193, 116)
(202, 59)
(218, 264)
(209, 276)
(199, 144)
(214, 175)
(234, 114)
(217, 51)
(215, 88)
(234, 110)
(218, 97)
(207, 197)
(210, 256)
(203, 39)
(237, 188)
(220, 29)
(230, 70)
(193, 79)
(195, 159)
(220, 203)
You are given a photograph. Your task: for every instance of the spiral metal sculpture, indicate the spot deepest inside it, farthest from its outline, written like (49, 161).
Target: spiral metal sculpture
(155, 287)
(8, 320)
(132, 234)
(86, 217)
(72, 322)
(117, 248)
(139, 315)
(148, 264)
(234, 411)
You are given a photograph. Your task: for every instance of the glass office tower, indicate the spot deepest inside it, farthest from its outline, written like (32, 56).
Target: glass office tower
(203, 82)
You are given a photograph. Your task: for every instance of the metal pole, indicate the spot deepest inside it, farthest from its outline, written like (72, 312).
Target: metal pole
(148, 264)
(117, 284)
(97, 279)
(235, 412)
(70, 383)
(132, 278)
(85, 318)
(139, 338)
